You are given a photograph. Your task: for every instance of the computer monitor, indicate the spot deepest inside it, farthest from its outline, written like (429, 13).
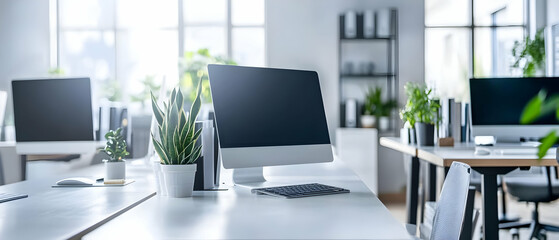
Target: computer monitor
(497, 103)
(268, 117)
(53, 116)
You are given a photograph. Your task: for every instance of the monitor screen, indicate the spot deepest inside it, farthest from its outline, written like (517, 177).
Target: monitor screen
(53, 110)
(500, 101)
(258, 107)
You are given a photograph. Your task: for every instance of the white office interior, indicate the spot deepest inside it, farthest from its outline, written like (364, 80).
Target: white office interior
(279, 119)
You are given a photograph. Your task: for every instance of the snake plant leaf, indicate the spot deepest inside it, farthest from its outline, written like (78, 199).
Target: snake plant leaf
(195, 108)
(159, 149)
(179, 99)
(196, 154)
(182, 124)
(156, 110)
(173, 96)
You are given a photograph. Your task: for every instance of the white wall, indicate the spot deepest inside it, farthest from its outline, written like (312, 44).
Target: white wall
(24, 41)
(302, 34)
(552, 13)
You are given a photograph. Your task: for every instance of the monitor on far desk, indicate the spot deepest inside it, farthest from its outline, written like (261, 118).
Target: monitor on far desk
(53, 116)
(497, 103)
(268, 117)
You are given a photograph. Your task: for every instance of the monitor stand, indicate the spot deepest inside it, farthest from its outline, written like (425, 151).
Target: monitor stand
(249, 177)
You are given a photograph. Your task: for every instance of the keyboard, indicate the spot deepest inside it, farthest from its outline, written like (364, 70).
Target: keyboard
(299, 191)
(6, 197)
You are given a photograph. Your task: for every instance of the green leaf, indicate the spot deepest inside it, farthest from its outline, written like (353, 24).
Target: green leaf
(195, 155)
(156, 110)
(532, 110)
(160, 151)
(179, 99)
(547, 142)
(195, 109)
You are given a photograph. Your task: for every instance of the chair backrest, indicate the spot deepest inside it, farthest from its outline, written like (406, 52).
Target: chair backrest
(449, 215)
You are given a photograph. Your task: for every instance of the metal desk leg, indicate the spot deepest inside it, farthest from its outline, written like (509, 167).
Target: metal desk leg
(432, 182)
(412, 190)
(429, 189)
(23, 159)
(490, 203)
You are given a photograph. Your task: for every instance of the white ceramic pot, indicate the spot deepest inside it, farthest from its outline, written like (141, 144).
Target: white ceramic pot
(179, 179)
(384, 123)
(159, 181)
(368, 121)
(115, 170)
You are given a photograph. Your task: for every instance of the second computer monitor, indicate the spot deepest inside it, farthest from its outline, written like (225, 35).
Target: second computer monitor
(53, 116)
(497, 104)
(269, 117)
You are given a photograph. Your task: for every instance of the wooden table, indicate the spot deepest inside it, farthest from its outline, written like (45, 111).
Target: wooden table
(490, 166)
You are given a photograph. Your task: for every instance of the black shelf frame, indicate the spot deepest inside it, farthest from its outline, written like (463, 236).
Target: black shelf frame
(374, 75)
(391, 58)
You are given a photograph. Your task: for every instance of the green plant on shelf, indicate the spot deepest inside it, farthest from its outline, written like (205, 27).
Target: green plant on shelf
(374, 105)
(421, 106)
(115, 146)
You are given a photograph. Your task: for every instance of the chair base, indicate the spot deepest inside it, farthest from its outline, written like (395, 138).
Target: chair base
(535, 226)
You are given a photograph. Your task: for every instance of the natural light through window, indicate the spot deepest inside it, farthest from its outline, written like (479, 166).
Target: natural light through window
(121, 43)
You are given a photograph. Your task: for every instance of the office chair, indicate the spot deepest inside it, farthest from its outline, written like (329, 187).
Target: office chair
(535, 189)
(452, 217)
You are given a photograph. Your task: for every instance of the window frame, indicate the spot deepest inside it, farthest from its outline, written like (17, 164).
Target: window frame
(472, 27)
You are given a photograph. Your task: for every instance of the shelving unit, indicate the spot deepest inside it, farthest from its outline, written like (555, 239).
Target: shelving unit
(388, 75)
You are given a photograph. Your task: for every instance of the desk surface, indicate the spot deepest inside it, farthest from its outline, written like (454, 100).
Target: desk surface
(62, 213)
(239, 214)
(464, 152)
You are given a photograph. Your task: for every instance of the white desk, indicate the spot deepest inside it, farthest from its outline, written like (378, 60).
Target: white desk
(62, 213)
(238, 214)
(488, 165)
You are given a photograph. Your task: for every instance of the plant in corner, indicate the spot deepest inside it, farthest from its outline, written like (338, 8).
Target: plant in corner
(115, 148)
(176, 144)
(368, 118)
(380, 109)
(420, 112)
(530, 55)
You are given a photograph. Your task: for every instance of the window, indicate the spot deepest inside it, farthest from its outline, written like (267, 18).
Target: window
(465, 38)
(123, 42)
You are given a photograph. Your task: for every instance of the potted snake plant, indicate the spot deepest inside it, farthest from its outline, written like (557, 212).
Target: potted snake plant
(177, 143)
(115, 148)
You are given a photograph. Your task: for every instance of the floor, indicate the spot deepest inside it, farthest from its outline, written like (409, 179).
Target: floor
(549, 214)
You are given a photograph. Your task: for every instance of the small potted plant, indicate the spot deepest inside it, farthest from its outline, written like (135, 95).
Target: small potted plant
(176, 144)
(115, 166)
(420, 112)
(378, 109)
(367, 118)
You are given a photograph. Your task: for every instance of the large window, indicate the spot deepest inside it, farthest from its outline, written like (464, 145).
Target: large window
(465, 38)
(120, 43)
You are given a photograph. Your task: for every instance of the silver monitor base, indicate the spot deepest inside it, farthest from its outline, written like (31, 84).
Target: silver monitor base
(249, 177)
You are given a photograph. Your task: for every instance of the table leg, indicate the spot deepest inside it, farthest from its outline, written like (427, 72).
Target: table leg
(432, 182)
(429, 189)
(412, 190)
(23, 159)
(490, 203)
